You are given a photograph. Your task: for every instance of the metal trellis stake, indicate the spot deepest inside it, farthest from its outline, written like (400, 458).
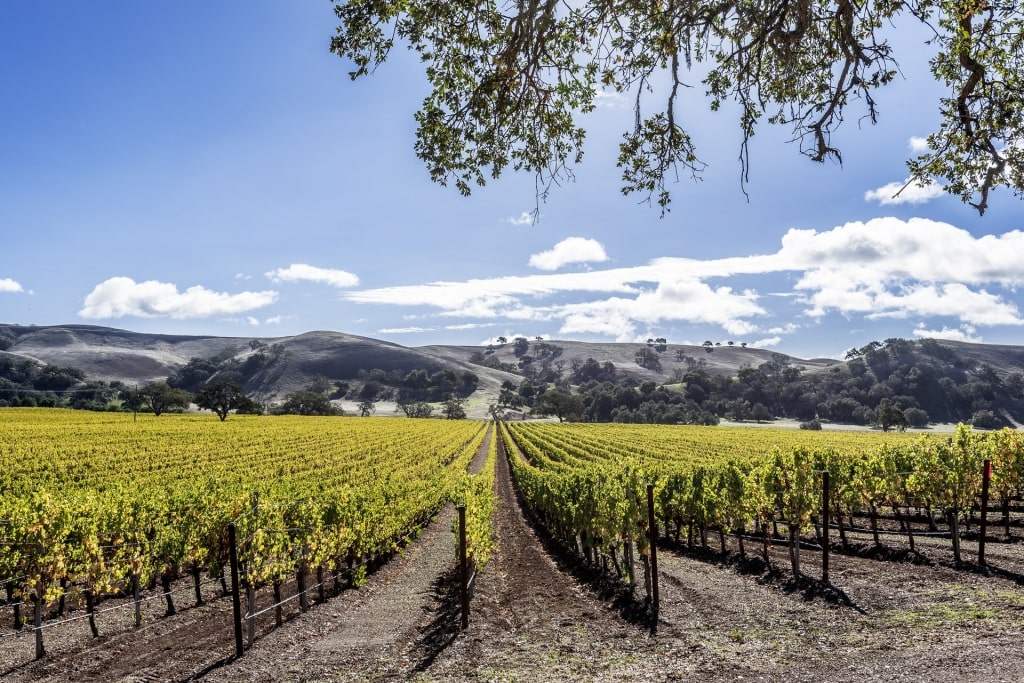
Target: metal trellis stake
(824, 526)
(236, 598)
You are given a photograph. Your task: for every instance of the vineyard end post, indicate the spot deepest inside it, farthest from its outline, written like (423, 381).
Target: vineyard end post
(653, 531)
(985, 481)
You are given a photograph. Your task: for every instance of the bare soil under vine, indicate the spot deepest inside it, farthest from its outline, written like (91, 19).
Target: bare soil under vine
(541, 614)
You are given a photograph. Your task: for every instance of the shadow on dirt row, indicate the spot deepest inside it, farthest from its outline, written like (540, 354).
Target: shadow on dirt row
(765, 573)
(444, 624)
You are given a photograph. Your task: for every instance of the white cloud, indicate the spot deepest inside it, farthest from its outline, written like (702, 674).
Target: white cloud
(404, 330)
(892, 268)
(609, 98)
(9, 285)
(918, 144)
(570, 250)
(274, 320)
(251, 321)
(766, 343)
(904, 193)
(964, 333)
(118, 297)
(300, 271)
(683, 299)
(468, 326)
(525, 218)
(497, 293)
(980, 308)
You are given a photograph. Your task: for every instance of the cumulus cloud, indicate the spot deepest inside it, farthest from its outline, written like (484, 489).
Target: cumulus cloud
(297, 272)
(906, 192)
(525, 218)
(883, 268)
(918, 144)
(608, 97)
(767, 342)
(9, 285)
(118, 297)
(893, 268)
(964, 333)
(570, 250)
(788, 328)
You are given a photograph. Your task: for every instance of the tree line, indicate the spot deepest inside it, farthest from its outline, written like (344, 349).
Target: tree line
(893, 384)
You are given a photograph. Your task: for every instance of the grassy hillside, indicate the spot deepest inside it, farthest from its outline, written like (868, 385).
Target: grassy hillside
(275, 366)
(110, 354)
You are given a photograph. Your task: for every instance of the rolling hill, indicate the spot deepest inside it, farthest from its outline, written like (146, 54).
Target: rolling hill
(290, 363)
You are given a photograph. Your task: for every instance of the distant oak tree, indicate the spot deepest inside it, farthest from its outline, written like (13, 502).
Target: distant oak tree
(160, 397)
(222, 398)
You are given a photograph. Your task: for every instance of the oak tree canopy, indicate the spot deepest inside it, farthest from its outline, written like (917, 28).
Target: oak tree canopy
(510, 81)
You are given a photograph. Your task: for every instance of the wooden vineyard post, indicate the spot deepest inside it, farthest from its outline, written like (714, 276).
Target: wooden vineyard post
(136, 594)
(236, 598)
(824, 526)
(652, 530)
(18, 621)
(300, 582)
(38, 620)
(985, 480)
(954, 528)
(463, 567)
(250, 588)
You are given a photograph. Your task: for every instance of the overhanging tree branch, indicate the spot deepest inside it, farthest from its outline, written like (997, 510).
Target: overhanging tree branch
(511, 82)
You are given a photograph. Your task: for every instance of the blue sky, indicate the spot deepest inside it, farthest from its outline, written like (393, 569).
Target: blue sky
(209, 168)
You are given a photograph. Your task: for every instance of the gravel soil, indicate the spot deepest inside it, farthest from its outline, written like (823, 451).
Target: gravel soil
(540, 614)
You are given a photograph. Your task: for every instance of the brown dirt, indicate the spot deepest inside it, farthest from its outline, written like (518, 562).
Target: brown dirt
(541, 615)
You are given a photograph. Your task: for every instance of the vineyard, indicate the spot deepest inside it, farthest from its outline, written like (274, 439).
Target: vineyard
(101, 506)
(346, 523)
(588, 484)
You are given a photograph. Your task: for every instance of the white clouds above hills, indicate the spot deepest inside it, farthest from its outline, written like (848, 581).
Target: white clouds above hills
(883, 268)
(964, 333)
(118, 297)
